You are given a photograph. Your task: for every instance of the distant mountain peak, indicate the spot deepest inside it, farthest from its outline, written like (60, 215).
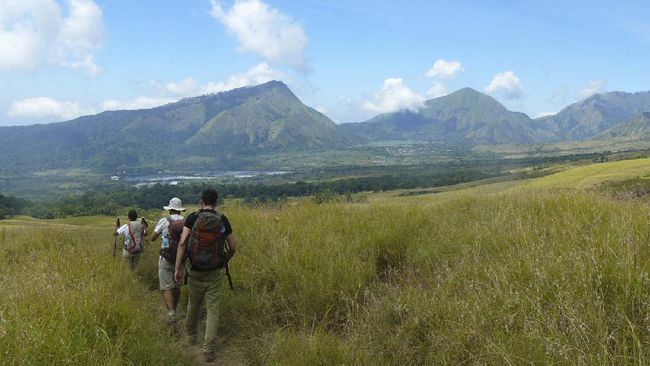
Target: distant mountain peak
(468, 90)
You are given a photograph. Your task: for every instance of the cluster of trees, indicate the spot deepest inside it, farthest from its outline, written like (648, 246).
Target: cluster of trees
(11, 206)
(111, 202)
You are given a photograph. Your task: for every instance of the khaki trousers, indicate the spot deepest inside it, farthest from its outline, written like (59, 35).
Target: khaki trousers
(204, 285)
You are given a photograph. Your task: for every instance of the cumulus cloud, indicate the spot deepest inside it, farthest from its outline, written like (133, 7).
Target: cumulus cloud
(184, 87)
(35, 32)
(443, 69)
(394, 96)
(42, 108)
(173, 91)
(258, 74)
(592, 87)
(136, 103)
(321, 109)
(263, 30)
(437, 90)
(507, 84)
(545, 114)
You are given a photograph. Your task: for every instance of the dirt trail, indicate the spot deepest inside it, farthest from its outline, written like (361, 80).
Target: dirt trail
(225, 356)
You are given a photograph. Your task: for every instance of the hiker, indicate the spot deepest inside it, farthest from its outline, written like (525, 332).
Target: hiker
(169, 229)
(134, 233)
(210, 243)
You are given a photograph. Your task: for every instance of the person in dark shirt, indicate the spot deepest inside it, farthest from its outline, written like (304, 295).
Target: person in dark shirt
(204, 284)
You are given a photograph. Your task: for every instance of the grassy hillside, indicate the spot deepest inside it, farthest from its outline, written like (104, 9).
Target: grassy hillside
(66, 301)
(591, 175)
(483, 275)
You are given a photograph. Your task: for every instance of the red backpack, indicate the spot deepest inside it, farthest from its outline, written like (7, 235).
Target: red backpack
(173, 236)
(207, 242)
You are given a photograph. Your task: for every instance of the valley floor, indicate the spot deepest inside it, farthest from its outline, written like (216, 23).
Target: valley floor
(550, 270)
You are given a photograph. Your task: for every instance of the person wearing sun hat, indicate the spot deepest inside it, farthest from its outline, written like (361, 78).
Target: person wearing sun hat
(169, 229)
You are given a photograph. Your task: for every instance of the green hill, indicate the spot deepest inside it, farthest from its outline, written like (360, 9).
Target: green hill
(637, 127)
(220, 131)
(594, 115)
(463, 116)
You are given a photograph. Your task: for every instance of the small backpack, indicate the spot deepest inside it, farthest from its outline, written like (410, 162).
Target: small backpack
(136, 234)
(173, 237)
(207, 244)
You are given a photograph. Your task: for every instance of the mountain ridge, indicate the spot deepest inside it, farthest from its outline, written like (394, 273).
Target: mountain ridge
(269, 117)
(230, 129)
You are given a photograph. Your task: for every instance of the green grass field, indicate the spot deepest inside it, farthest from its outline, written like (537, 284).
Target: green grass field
(540, 271)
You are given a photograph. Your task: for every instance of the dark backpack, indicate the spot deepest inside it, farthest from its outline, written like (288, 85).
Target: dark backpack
(173, 237)
(207, 244)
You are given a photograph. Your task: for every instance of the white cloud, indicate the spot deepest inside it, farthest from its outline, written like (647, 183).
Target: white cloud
(42, 107)
(545, 114)
(185, 87)
(189, 87)
(265, 31)
(444, 70)
(506, 83)
(393, 96)
(137, 103)
(34, 32)
(321, 109)
(437, 90)
(258, 74)
(592, 87)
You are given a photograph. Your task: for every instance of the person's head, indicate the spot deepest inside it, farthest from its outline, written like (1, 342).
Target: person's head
(133, 215)
(175, 206)
(209, 197)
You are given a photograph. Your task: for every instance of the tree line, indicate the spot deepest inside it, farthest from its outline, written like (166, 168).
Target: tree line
(112, 201)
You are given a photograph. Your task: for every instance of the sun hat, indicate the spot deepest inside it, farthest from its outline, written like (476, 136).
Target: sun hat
(175, 204)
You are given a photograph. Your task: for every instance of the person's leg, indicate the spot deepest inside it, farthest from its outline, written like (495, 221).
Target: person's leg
(195, 292)
(168, 299)
(212, 296)
(135, 259)
(176, 296)
(167, 285)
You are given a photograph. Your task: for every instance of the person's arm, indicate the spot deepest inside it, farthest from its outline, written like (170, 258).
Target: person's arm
(157, 231)
(232, 245)
(180, 254)
(121, 230)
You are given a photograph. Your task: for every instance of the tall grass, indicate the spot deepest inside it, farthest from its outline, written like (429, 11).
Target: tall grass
(509, 278)
(513, 278)
(64, 300)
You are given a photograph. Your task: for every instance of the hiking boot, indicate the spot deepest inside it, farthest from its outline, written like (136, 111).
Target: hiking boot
(209, 356)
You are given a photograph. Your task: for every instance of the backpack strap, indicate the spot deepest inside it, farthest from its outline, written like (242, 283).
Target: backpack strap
(132, 236)
(133, 242)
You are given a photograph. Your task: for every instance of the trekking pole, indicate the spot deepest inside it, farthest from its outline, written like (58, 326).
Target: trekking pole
(229, 278)
(117, 226)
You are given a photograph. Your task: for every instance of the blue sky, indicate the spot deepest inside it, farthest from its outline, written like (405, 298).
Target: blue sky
(350, 59)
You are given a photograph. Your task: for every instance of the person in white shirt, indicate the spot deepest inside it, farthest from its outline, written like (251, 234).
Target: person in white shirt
(134, 235)
(169, 229)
